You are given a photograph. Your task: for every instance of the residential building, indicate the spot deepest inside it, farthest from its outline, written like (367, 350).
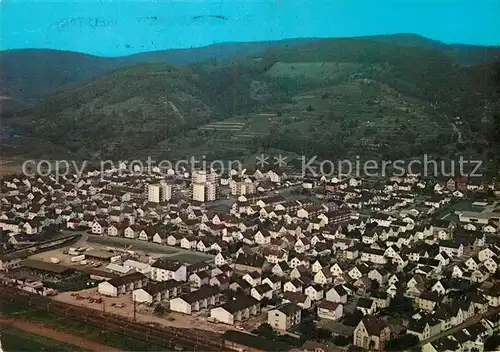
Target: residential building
(284, 317)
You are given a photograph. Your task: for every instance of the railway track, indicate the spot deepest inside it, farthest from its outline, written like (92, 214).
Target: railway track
(170, 337)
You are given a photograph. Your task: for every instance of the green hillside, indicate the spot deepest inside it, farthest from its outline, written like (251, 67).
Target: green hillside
(127, 110)
(29, 75)
(330, 98)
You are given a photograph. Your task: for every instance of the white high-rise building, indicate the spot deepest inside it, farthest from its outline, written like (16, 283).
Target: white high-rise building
(159, 192)
(239, 188)
(154, 193)
(210, 191)
(198, 192)
(166, 189)
(199, 176)
(204, 185)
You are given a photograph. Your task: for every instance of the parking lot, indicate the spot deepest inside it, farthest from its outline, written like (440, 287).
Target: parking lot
(124, 306)
(155, 249)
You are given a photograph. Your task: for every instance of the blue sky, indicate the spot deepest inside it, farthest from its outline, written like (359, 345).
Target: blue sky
(113, 28)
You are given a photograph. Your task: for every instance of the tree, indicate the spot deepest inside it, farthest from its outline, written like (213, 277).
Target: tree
(402, 343)
(495, 130)
(401, 305)
(375, 285)
(323, 334)
(307, 329)
(265, 330)
(341, 340)
(492, 343)
(159, 309)
(309, 108)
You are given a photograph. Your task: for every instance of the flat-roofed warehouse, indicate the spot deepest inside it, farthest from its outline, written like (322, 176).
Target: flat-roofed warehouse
(9, 261)
(483, 218)
(97, 274)
(99, 255)
(45, 267)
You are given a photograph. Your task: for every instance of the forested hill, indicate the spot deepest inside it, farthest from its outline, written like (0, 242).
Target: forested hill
(32, 74)
(327, 97)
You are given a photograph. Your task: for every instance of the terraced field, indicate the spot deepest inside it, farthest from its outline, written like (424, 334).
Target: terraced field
(236, 133)
(223, 126)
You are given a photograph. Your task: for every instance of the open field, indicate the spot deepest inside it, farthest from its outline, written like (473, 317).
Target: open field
(312, 70)
(448, 212)
(60, 324)
(10, 166)
(130, 244)
(226, 125)
(191, 258)
(148, 247)
(22, 335)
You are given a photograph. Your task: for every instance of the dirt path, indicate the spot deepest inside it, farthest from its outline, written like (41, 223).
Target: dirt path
(457, 131)
(61, 336)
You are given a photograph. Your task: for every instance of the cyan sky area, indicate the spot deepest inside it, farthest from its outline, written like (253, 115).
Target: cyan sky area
(115, 28)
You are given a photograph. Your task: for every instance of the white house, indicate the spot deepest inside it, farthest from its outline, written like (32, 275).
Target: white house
(330, 310)
(284, 317)
(337, 294)
(155, 292)
(237, 309)
(194, 301)
(164, 269)
(262, 291)
(122, 284)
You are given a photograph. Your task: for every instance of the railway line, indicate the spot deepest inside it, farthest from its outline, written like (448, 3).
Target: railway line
(169, 337)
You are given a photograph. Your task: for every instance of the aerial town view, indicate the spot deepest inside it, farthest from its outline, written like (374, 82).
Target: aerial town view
(235, 176)
(310, 262)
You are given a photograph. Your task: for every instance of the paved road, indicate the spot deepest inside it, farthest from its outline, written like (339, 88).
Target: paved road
(467, 323)
(57, 335)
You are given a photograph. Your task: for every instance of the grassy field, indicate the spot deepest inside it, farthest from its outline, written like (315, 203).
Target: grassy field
(66, 325)
(135, 244)
(149, 247)
(312, 70)
(15, 340)
(189, 258)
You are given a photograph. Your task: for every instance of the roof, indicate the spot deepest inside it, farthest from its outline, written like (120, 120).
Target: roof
(203, 292)
(135, 264)
(15, 255)
(263, 288)
(253, 260)
(118, 268)
(328, 305)
(155, 287)
(289, 308)
(238, 303)
(294, 296)
(365, 302)
(310, 345)
(45, 266)
(123, 280)
(167, 264)
(99, 254)
(374, 325)
(98, 272)
(254, 341)
(482, 215)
